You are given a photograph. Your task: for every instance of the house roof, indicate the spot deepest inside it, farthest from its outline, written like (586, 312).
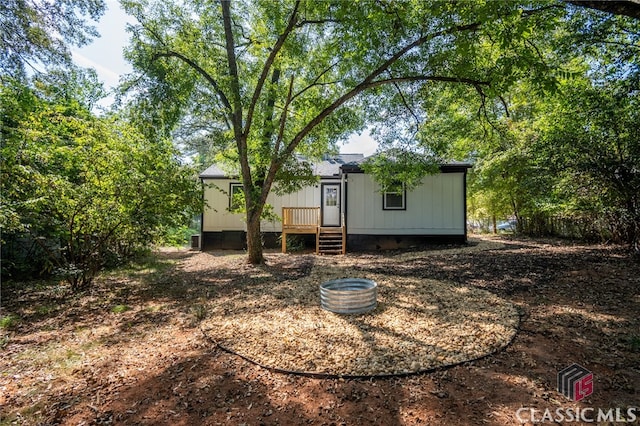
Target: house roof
(329, 166)
(334, 165)
(213, 172)
(448, 167)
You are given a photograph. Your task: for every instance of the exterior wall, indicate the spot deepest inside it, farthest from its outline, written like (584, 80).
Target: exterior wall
(217, 218)
(434, 208)
(435, 212)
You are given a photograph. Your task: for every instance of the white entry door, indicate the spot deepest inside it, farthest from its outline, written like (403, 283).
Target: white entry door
(330, 204)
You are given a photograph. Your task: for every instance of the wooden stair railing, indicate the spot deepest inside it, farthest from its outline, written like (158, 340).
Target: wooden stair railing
(307, 220)
(299, 220)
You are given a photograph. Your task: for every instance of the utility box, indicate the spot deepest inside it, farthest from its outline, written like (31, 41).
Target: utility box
(195, 242)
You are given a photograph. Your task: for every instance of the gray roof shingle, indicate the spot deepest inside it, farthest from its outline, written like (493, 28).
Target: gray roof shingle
(329, 166)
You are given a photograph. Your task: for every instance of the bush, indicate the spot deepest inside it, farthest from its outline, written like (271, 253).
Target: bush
(87, 191)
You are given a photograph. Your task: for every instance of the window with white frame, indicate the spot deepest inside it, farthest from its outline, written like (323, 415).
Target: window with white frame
(395, 200)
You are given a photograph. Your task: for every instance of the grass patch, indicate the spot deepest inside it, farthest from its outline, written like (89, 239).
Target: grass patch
(8, 321)
(199, 312)
(118, 309)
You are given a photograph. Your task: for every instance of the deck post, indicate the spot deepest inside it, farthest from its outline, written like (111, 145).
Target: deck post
(283, 237)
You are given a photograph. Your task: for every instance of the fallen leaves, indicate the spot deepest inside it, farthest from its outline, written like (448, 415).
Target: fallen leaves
(579, 303)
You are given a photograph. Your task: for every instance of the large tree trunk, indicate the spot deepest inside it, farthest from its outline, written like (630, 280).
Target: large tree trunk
(628, 8)
(254, 239)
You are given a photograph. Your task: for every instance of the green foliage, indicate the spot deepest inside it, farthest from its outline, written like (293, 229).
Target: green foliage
(177, 236)
(8, 322)
(573, 154)
(593, 146)
(37, 33)
(261, 82)
(89, 191)
(295, 243)
(239, 206)
(119, 309)
(395, 167)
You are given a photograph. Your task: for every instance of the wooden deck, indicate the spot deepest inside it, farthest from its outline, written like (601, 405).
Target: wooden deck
(307, 220)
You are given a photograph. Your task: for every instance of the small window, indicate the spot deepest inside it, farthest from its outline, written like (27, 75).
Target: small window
(394, 200)
(331, 197)
(235, 196)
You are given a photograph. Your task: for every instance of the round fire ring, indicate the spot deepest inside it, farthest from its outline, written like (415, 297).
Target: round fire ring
(349, 295)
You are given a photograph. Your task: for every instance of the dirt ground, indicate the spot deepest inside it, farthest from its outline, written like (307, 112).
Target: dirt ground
(131, 350)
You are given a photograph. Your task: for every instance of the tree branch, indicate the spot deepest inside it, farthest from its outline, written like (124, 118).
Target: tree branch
(236, 113)
(626, 8)
(201, 71)
(415, 78)
(273, 167)
(404, 101)
(236, 109)
(370, 82)
(283, 119)
(315, 81)
(267, 66)
(316, 22)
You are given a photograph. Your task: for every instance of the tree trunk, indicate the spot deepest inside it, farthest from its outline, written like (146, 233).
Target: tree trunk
(254, 239)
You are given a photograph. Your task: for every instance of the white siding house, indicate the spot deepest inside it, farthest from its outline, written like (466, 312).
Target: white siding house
(434, 210)
(347, 201)
(217, 217)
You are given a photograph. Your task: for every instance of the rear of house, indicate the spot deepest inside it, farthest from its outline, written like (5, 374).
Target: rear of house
(345, 207)
(434, 211)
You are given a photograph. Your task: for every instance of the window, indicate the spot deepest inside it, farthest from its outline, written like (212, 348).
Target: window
(236, 192)
(394, 200)
(331, 196)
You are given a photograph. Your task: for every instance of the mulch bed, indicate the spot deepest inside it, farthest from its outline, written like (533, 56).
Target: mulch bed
(418, 325)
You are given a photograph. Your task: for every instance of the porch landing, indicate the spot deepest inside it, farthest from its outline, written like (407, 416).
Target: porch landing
(307, 220)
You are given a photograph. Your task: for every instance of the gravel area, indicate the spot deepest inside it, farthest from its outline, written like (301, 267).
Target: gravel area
(420, 324)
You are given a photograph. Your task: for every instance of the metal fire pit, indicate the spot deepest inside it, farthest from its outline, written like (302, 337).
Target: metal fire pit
(349, 295)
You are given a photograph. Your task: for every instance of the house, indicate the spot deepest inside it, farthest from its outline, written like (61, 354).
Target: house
(345, 210)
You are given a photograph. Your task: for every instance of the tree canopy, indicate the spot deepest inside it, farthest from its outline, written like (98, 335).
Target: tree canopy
(36, 34)
(570, 153)
(280, 78)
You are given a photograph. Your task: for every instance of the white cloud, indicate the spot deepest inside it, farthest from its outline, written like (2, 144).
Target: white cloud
(360, 144)
(106, 75)
(104, 53)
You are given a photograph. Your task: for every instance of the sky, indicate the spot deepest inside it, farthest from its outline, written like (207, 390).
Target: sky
(104, 54)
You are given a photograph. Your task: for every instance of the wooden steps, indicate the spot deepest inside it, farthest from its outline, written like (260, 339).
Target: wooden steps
(307, 220)
(330, 240)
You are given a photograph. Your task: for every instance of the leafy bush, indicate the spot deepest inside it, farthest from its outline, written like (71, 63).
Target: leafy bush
(87, 191)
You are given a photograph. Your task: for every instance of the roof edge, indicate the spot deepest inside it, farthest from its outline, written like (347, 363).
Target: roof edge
(444, 168)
